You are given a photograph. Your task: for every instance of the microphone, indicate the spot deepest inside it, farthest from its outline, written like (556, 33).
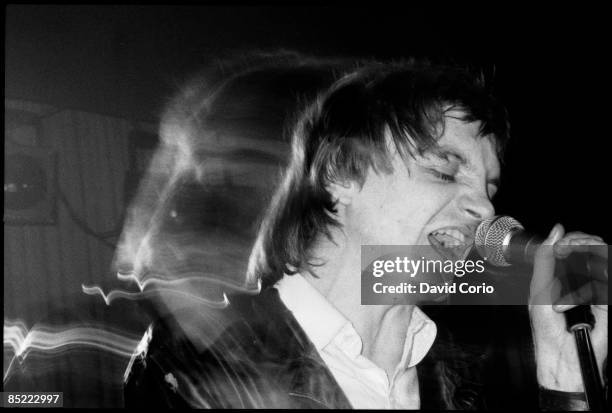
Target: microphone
(503, 241)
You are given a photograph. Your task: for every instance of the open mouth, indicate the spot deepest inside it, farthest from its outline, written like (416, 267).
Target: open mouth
(451, 243)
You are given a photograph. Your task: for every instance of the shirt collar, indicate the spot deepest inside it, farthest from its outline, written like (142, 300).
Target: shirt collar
(322, 322)
(319, 319)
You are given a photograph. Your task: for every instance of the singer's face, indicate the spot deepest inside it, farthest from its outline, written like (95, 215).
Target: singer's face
(436, 199)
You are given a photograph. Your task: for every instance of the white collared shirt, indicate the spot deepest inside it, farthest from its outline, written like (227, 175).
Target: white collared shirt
(365, 384)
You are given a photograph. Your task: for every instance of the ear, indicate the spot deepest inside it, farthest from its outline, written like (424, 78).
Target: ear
(343, 192)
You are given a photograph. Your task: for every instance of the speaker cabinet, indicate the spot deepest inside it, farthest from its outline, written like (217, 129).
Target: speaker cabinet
(30, 177)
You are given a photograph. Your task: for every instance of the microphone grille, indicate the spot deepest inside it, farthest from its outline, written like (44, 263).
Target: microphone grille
(490, 236)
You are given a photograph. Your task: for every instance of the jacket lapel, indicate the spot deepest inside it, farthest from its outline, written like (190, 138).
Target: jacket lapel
(310, 383)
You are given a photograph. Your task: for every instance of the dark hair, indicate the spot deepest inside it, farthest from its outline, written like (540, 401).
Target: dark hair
(341, 135)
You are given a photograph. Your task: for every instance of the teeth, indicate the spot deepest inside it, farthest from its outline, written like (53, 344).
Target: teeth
(452, 237)
(450, 243)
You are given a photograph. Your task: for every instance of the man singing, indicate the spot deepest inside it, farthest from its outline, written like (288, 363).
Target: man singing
(403, 153)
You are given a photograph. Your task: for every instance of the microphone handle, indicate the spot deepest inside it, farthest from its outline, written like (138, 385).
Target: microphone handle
(580, 316)
(521, 246)
(580, 321)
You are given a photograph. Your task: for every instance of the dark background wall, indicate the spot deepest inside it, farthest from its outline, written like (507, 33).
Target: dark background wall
(102, 71)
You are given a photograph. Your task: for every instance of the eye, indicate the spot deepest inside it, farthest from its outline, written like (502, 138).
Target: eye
(442, 176)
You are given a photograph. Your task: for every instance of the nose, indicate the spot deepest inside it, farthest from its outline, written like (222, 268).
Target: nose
(477, 206)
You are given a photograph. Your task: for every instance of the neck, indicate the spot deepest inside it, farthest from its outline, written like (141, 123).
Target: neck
(382, 327)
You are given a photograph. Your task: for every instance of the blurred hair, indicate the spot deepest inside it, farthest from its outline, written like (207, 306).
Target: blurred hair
(221, 146)
(232, 114)
(341, 134)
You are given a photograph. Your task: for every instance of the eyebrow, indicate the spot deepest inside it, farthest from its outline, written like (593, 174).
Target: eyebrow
(444, 152)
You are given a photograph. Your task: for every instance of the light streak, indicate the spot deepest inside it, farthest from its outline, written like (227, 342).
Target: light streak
(197, 277)
(114, 294)
(140, 351)
(50, 339)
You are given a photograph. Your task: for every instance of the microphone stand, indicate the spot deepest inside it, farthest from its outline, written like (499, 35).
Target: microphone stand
(580, 321)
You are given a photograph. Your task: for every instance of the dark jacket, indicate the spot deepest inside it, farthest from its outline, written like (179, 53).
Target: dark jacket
(263, 359)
